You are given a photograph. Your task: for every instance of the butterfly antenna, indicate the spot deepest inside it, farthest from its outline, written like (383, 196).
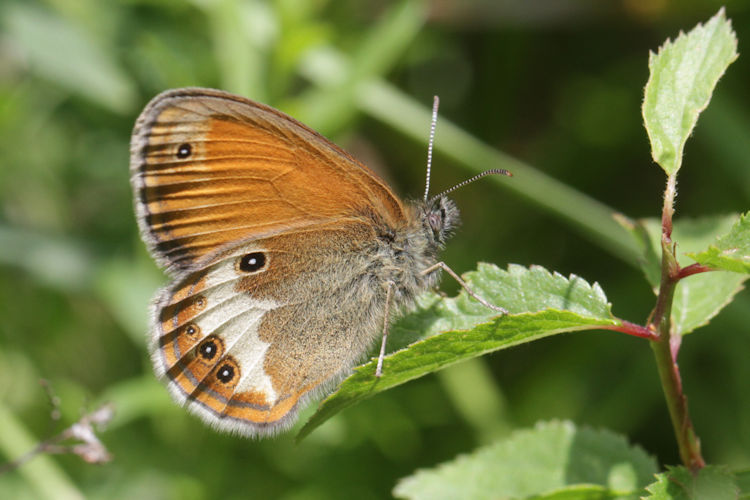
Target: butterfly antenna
(435, 104)
(493, 171)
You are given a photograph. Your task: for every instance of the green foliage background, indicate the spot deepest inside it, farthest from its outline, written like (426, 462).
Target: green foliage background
(556, 85)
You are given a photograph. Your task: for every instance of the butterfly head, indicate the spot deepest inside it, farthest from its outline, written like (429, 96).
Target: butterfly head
(440, 217)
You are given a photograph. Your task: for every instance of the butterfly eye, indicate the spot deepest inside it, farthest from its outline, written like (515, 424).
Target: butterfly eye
(252, 262)
(434, 221)
(184, 150)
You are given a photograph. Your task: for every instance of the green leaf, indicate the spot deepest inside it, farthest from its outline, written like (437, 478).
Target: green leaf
(541, 304)
(682, 78)
(712, 482)
(700, 297)
(731, 251)
(576, 492)
(554, 460)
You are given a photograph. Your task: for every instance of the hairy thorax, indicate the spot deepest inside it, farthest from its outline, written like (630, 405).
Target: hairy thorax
(404, 255)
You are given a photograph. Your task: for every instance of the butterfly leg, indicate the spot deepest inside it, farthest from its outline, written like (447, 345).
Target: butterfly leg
(444, 266)
(388, 294)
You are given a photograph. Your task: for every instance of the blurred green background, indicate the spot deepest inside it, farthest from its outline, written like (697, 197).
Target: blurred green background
(556, 84)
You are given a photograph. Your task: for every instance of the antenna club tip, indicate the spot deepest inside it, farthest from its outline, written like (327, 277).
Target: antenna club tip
(501, 171)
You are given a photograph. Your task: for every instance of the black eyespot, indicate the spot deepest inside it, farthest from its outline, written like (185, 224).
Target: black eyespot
(208, 350)
(252, 262)
(184, 150)
(442, 213)
(225, 373)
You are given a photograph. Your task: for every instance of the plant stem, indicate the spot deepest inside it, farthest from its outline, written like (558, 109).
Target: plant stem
(666, 347)
(668, 208)
(687, 440)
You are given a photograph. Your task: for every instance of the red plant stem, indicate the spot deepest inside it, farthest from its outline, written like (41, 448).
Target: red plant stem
(666, 347)
(692, 269)
(633, 329)
(687, 440)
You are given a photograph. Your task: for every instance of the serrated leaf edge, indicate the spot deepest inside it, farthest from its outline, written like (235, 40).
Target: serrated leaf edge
(565, 425)
(714, 247)
(720, 20)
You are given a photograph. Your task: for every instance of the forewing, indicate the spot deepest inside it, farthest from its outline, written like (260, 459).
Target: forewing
(210, 168)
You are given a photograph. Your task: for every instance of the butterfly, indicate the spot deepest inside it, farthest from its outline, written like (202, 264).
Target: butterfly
(287, 255)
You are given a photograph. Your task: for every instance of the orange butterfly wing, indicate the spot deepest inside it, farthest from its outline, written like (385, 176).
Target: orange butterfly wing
(217, 178)
(210, 168)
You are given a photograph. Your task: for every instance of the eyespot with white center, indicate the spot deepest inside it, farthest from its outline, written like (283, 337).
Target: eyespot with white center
(252, 262)
(192, 330)
(227, 372)
(210, 348)
(184, 150)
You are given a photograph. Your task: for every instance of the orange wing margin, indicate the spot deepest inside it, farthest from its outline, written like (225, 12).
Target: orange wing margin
(210, 168)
